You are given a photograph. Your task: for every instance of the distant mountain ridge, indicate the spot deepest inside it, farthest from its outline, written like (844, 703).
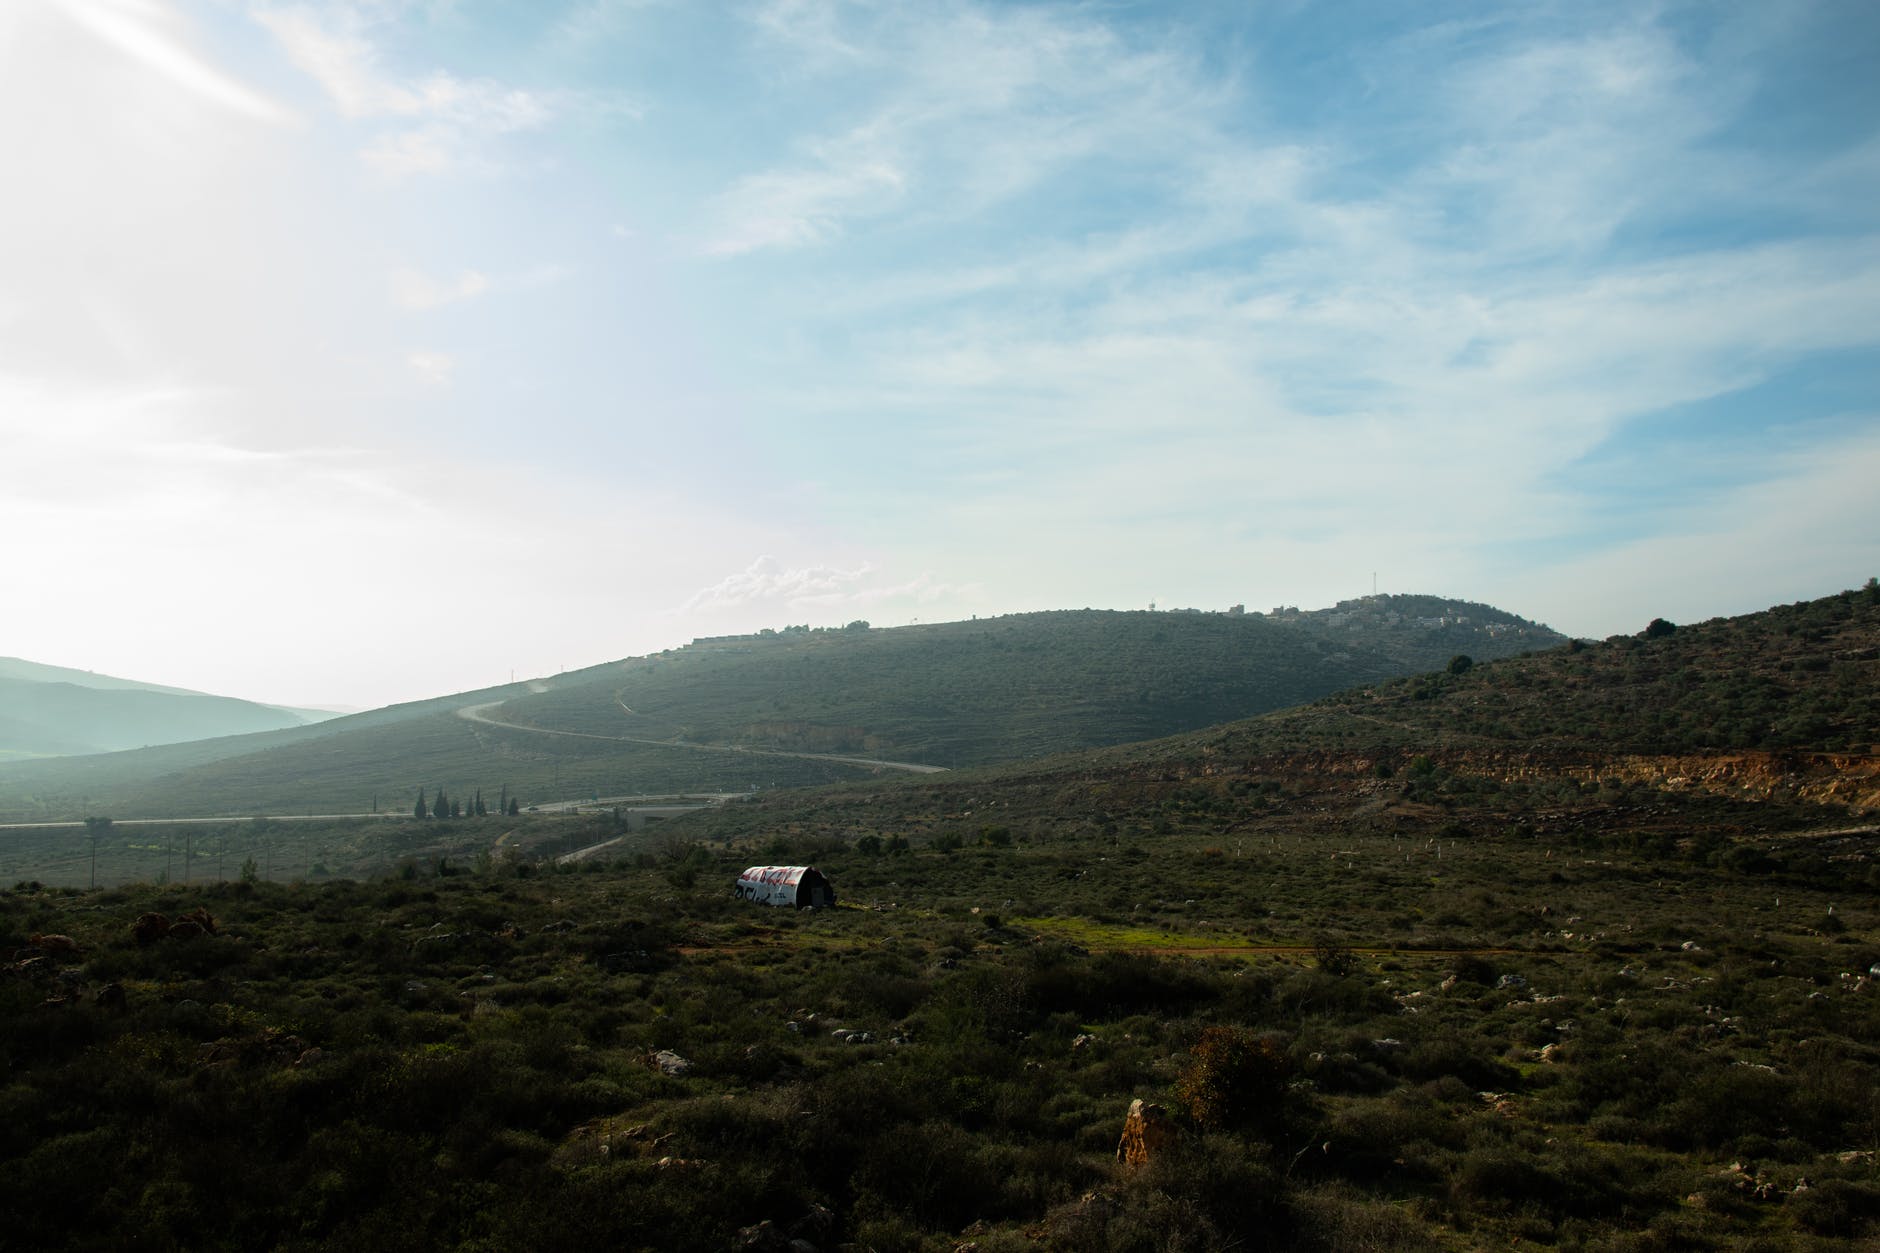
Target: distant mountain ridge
(54, 711)
(39, 672)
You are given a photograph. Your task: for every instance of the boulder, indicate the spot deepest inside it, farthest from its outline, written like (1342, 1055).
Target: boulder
(1146, 1132)
(200, 916)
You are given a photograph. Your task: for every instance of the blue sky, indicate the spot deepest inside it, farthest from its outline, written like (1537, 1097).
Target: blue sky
(359, 351)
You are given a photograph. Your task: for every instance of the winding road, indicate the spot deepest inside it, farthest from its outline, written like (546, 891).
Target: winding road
(478, 713)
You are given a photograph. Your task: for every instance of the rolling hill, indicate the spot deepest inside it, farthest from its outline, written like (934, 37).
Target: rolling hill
(1766, 721)
(56, 711)
(787, 708)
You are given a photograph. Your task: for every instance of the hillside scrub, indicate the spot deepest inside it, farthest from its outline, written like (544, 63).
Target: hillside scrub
(1535, 1038)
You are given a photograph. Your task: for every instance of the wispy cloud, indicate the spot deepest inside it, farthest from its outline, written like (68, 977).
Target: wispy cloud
(766, 579)
(588, 27)
(953, 306)
(794, 208)
(1400, 327)
(956, 109)
(156, 40)
(418, 292)
(432, 368)
(767, 583)
(445, 118)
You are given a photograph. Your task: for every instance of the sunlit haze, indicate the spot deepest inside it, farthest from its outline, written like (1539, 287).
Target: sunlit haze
(360, 352)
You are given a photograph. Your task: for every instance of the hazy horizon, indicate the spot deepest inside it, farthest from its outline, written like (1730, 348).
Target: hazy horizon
(364, 351)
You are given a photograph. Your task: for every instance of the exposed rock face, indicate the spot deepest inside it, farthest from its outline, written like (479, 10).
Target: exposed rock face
(1840, 778)
(1146, 1132)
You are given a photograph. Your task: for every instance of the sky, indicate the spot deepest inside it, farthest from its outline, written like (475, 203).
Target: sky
(359, 351)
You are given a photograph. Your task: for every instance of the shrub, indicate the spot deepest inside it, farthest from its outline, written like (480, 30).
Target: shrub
(1837, 1207)
(1235, 1078)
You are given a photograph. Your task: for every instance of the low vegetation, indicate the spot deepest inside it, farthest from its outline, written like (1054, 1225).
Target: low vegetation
(1367, 1040)
(1391, 990)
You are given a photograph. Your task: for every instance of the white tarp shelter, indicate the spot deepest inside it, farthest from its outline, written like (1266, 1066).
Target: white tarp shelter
(786, 885)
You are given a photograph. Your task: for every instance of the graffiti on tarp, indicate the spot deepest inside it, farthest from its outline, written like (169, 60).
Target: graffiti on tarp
(786, 885)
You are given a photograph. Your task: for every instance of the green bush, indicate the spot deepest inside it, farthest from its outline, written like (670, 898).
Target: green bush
(1235, 1078)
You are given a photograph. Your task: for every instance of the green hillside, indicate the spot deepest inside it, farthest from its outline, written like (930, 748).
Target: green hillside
(1759, 722)
(1403, 969)
(54, 711)
(767, 711)
(1801, 677)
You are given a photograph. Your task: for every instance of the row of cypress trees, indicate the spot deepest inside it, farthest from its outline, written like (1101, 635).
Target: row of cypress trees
(456, 807)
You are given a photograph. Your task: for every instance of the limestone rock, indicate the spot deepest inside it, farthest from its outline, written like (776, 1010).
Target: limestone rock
(1146, 1132)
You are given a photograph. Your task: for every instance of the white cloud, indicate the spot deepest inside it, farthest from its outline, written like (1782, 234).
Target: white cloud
(767, 583)
(342, 61)
(455, 117)
(432, 150)
(766, 579)
(418, 292)
(432, 368)
(787, 209)
(958, 110)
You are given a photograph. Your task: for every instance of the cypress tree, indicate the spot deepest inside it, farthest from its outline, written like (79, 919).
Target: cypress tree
(420, 810)
(440, 808)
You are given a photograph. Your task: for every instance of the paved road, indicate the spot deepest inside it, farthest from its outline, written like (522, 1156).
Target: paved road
(170, 822)
(476, 713)
(662, 805)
